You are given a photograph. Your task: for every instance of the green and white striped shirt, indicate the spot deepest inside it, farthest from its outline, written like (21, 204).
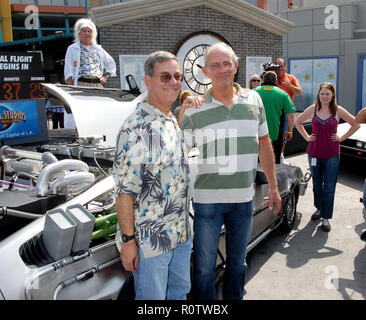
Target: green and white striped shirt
(228, 143)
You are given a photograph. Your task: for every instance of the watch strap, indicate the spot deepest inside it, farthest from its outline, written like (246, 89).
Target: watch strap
(126, 238)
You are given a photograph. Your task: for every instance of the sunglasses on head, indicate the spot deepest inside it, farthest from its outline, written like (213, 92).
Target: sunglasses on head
(256, 80)
(165, 77)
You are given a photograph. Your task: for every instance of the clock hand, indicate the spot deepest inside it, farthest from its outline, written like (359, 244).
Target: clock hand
(199, 66)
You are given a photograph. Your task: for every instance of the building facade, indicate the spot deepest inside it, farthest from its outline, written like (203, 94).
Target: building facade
(328, 43)
(141, 27)
(47, 26)
(325, 40)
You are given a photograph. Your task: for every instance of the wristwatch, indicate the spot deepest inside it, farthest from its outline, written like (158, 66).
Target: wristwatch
(126, 238)
(107, 75)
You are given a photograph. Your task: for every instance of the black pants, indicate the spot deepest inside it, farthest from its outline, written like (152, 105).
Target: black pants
(277, 144)
(57, 120)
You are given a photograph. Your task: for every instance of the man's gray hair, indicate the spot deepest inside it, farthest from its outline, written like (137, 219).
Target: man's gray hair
(234, 57)
(157, 56)
(270, 76)
(82, 23)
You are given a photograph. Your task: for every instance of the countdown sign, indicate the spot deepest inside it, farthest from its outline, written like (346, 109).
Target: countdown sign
(21, 76)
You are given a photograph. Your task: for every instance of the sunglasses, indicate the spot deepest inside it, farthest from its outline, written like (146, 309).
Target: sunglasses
(165, 77)
(256, 80)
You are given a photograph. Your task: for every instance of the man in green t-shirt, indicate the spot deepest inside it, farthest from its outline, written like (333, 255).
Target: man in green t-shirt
(275, 100)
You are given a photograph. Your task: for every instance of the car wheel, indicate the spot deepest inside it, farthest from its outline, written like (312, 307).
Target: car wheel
(128, 289)
(289, 212)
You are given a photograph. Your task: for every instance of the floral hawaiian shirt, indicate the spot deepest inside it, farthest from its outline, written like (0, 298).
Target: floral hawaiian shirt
(151, 165)
(90, 65)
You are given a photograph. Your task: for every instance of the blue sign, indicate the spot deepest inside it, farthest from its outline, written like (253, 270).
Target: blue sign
(18, 119)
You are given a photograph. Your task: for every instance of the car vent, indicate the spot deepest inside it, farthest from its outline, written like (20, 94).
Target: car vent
(34, 252)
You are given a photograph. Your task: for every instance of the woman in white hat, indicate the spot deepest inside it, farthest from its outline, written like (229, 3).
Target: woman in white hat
(86, 62)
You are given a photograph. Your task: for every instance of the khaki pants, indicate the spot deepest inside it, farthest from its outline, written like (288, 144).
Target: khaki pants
(89, 84)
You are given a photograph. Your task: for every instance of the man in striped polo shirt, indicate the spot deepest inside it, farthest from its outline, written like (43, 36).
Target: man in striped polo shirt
(230, 131)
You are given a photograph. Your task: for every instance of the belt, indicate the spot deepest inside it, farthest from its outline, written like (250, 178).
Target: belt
(91, 80)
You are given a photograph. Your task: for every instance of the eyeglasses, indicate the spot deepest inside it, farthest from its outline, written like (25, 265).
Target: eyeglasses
(256, 80)
(165, 77)
(217, 65)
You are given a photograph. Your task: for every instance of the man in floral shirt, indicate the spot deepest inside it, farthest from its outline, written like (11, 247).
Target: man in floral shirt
(151, 186)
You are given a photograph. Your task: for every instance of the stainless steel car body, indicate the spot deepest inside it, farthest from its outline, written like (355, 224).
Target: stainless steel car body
(21, 281)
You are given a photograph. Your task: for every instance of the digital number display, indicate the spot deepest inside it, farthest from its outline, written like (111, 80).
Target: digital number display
(21, 90)
(21, 76)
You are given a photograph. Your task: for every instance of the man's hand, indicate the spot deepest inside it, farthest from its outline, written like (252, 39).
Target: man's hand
(192, 102)
(130, 256)
(273, 200)
(266, 157)
(291, 122)
(288, 135)
(129, 251)
(103, 79)
(286, 81)
(297, 91)
(70, 81)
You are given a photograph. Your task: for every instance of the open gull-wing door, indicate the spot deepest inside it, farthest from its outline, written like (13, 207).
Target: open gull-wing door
(96, 111)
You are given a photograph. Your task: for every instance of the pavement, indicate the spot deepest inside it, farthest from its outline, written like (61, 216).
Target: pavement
(308, 263)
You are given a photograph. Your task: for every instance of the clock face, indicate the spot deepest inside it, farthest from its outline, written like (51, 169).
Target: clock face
(192, 69)
(191, 59)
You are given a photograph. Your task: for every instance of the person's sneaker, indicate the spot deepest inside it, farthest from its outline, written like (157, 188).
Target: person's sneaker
(315, 215)
(326, 226)
(282, 159)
